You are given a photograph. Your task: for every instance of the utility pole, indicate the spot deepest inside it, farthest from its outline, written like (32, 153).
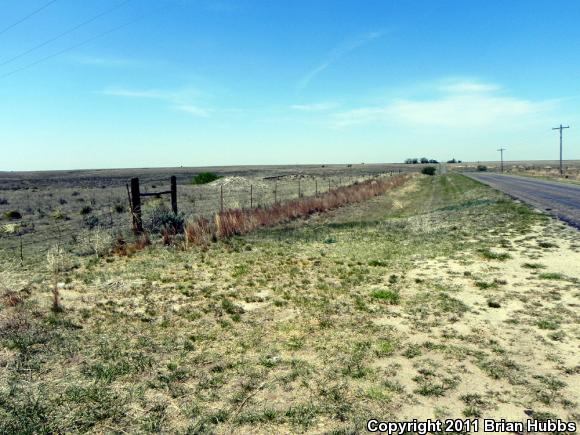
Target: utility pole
(501, 150)
(561, 128)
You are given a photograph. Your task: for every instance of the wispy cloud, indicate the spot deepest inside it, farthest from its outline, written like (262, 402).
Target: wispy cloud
(315, 107)
(462, 105)
(468, 86)
(336, 54)
(182, 100)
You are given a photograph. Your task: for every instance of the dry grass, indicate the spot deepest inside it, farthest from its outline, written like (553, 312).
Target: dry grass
(368, 310)
(237, 222)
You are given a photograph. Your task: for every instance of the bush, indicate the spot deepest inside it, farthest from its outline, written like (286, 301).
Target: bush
(204, 178)
(119, 208)
(59, 215)
(429, 170)
(91, 222)
(86, 210)
(13, 215)
(162, 218)
(481, 168)
(3, 201)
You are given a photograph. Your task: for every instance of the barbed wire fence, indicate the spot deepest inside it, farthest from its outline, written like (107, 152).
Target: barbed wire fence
(27, 240)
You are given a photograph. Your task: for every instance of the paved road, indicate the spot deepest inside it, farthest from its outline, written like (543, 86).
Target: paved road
(558, 199)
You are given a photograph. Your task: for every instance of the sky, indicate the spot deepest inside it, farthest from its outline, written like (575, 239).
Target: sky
(165, 83)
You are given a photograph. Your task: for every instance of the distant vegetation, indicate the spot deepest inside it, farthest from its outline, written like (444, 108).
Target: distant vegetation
(423, 160)
(481, 168)
(204, 178)
(13, 215)
(429, 170)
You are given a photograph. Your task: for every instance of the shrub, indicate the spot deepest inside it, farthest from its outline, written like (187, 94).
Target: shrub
(162, 218)
(62, 201)
(3, 201)
(91, 222)
(13, 215)
(86, 210)
(119, 208)
(481, 168)
(59, 215)
(429, 170)
(204, 178)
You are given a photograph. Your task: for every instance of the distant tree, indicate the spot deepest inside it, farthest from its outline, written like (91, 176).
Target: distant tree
(414, 161)
(424, 160)
(408, 161)
(429, 170)
(433, 161)
(452, 160)
(481, 168)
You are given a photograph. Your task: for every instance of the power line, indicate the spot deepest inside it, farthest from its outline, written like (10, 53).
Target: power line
(560, 128)
(86, 41)
(72, 47)
(30, 15)
(66, 32)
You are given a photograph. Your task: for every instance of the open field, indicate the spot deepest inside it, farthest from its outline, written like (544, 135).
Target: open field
(65, 207)
(442, 298)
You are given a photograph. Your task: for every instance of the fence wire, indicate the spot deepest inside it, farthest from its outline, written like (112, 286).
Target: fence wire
(35, 234)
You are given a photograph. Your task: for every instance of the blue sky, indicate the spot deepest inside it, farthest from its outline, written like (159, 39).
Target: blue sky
(139, 83)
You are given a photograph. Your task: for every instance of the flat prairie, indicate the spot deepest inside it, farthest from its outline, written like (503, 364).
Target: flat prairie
(440, 299)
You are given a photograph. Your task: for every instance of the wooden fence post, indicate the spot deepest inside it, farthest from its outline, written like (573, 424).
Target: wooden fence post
(329, 184)
(299, 193)
(251, 196)
(222, 198)
(136, 206)
(316, 186)
(276, 192)
(174, 194)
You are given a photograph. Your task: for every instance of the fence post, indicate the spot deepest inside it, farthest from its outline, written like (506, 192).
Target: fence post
(276, 192)
(174, 194)
(299, 193)
(21, 252)
(222, 198)
(316, 186)
(329, 184)
(251, 196)
(136, 206)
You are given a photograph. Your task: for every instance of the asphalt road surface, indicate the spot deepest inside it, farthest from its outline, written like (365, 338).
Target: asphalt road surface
(558, 199)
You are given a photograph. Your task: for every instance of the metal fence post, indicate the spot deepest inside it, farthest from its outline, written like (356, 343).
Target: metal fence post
(136, 206)
(174, 194)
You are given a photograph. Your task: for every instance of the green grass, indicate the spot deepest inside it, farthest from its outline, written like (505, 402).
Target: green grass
(389, 296)
(289, 329)
(551, 275)
(492, 255)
